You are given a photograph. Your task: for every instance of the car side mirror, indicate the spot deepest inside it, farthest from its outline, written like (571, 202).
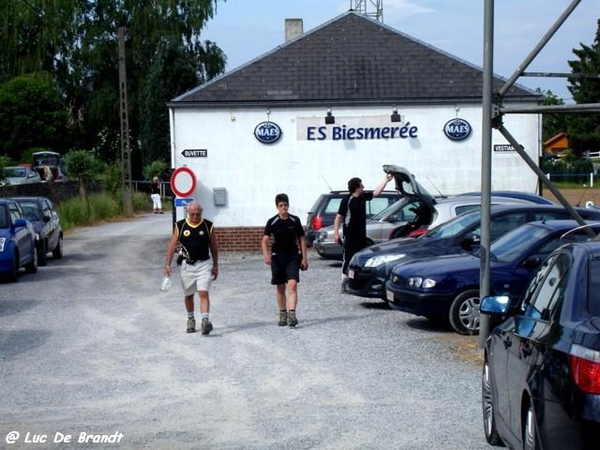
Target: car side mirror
(470, 240)
(495, 305)
(46, 219)
(20, 223)
(393, 218)
(532, 262)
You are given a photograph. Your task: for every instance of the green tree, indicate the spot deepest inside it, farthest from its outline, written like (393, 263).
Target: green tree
(584, 129)
(85, 167)
(552, 123)
(76, 41)
(31, 115)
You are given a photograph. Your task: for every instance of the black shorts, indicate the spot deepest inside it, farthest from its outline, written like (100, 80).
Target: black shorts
(284, 268)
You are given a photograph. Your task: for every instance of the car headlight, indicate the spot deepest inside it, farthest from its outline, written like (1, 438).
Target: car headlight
(379, 260)
(419, 282)
(322, 236)
(2, 241)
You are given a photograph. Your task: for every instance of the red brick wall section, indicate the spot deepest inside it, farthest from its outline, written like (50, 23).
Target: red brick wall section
(239, 239)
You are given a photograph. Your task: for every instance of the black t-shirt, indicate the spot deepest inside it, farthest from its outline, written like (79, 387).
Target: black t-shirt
(195, 239)
(286, 233)
(354, 211)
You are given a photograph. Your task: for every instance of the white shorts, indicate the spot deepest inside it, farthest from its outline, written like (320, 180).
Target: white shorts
(196, 277)
(156, 202)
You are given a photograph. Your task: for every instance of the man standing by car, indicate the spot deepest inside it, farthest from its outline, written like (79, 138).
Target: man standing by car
(353, 215)
(199, 262)
(286, 258)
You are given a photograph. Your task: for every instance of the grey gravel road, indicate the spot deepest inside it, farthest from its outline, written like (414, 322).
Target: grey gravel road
(91, 348)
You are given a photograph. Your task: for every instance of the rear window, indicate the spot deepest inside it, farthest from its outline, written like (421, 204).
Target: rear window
(594, 290)
(333, 206)
(378, 204)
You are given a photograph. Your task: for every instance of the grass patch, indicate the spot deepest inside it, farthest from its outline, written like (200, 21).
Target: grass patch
(99, 208)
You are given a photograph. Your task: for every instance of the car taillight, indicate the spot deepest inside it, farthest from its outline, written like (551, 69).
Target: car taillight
(317, 223)
(585, 367)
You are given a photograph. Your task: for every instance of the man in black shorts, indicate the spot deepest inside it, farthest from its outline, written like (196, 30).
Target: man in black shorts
(352, 214)
(286, 258)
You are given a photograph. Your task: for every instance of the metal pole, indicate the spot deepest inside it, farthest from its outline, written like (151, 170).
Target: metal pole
(486, 161)
(125, 146)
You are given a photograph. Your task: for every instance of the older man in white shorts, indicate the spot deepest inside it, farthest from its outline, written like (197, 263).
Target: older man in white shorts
(199, 258)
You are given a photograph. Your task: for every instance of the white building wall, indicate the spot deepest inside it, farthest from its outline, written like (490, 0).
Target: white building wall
(253, 172)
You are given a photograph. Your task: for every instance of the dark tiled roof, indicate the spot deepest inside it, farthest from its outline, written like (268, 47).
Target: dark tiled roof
(350, 60)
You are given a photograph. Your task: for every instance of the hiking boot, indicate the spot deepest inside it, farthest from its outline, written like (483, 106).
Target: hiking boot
(283, 318)
(191, 326)
(206, 326)
(292, 320)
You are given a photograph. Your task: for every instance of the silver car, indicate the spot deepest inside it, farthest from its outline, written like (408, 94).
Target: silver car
(417, 210)
(19, 175)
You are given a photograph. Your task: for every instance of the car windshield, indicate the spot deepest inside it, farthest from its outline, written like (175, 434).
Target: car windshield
(30, 211)
(511, 245)
(3, 218)
(14, 172)
(455, 226)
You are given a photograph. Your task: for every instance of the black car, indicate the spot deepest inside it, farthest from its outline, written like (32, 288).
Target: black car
(541, 371)
(40, 211)
(370, 268)
(323, 211)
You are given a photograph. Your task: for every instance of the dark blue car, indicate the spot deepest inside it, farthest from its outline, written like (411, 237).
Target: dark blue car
(447, 287)
(370, 268)
(17, 241)
(541, 371)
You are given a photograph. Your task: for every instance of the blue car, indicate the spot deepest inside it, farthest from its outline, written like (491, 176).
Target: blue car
(42, 214)
(17, 241)
(447, 287)
(370, 268)
(541, 373)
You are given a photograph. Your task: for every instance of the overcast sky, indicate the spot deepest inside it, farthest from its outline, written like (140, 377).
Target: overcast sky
(247, 29)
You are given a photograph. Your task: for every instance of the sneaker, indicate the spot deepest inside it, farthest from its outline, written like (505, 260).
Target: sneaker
(292, 320)
(283, 318)
(206, 326)
(191, 326)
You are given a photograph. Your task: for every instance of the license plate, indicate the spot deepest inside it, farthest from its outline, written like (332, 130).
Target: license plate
(389, 295)
(351, 273)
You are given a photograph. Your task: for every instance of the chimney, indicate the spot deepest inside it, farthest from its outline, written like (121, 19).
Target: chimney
(293, 29)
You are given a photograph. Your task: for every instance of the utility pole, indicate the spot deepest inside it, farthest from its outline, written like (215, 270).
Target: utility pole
(125, 145)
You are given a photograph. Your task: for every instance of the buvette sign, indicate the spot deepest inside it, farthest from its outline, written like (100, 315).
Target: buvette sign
(267, 132)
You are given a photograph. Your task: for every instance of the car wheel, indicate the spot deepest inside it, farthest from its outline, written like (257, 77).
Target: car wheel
(487, 402)
(530, 437)
(41, 253)
(14, 269)
(32, 267)
(464, 312)
(57, 253)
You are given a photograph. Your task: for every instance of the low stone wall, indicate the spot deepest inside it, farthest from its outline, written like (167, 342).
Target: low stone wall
(55, 191)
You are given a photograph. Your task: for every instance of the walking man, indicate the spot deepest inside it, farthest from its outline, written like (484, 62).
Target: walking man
(286, 258)
(199, 258)
(352, 214)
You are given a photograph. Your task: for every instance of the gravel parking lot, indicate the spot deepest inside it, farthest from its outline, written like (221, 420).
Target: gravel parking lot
(91, 348)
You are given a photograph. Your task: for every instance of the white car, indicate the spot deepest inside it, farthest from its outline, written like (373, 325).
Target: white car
(416, 211)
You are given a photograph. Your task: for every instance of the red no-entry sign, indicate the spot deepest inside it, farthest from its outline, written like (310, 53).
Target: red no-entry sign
(183, 181)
